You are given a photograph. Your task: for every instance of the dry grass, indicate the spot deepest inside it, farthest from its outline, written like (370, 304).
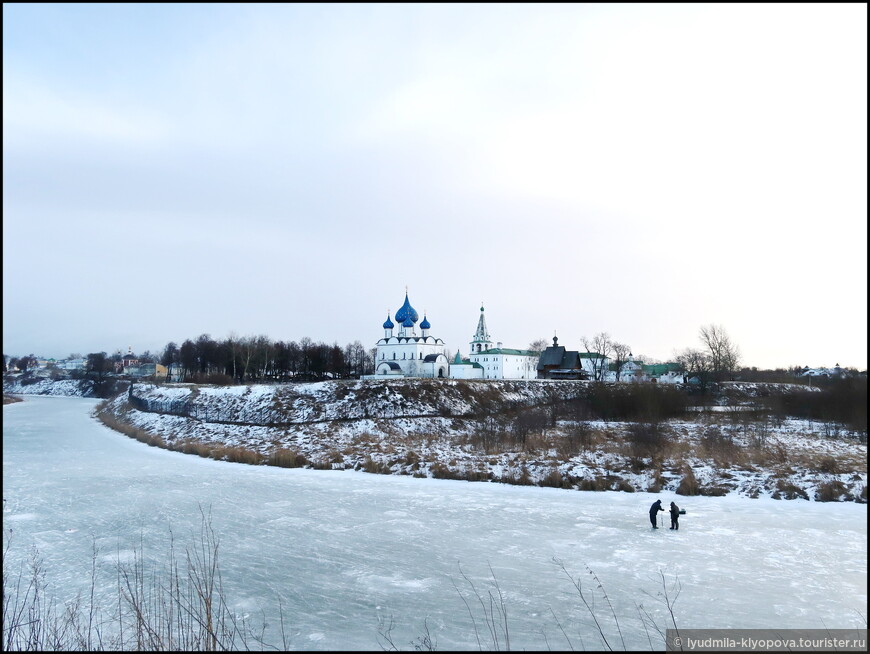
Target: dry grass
(833, 491)
(554, 479)
(517, 476)
(597, 483)
(688, 484)
(785, 490)
(438, 470)
(376, 467)
(281, 457)
(286, 458)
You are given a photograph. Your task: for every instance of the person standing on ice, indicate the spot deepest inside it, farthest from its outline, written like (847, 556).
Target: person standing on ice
(654, 511)
(675, 516)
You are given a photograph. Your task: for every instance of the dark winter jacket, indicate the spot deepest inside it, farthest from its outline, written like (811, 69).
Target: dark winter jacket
(675, 511)
(656, 507)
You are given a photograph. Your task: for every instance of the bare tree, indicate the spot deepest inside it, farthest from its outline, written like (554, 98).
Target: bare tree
(187, 359)
(538, 345)
(26, 362)
(600, 346)
(169, 358)
(621, 356)
(696, 364)
(724, 354)
(99, 364)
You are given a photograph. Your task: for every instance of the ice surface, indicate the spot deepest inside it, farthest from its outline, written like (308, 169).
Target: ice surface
(343, 549)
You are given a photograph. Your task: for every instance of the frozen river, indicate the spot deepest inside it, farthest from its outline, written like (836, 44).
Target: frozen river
(344, 549)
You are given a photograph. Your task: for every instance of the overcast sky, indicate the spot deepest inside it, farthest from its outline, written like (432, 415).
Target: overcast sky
(288, 170)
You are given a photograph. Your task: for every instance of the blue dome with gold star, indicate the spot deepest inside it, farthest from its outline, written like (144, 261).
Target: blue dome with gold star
(389, 324)
(406, 312)
(425, 324)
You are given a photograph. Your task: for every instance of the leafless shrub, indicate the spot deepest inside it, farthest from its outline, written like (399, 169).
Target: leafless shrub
(828, 464)
(376, 467)
(833, 491)
(623, 485)
(528, 422)
(588, 599)
(577, 437)
(176, 604)
(647, 438)
(788, 491)
(714, 490)
(554, 479)
(689, 484)
(517, 477)
(286, 458)
(493, 613)
(597, 483)
(412, 459)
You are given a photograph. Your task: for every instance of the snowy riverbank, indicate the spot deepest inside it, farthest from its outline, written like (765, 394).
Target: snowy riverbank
(425, 429)
(18, 385)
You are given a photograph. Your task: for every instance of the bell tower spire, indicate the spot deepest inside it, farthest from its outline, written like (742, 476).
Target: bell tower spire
(481, 341)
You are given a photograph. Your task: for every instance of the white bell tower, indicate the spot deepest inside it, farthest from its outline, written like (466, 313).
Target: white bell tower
(481, 341)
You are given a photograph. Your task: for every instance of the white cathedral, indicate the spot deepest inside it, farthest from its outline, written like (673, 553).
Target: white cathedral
(408, 354)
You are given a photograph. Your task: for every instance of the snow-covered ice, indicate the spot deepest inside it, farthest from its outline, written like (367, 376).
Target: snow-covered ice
(343, 549)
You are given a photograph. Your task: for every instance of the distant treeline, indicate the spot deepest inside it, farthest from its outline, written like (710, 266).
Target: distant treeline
(840, 400)
(258, 358)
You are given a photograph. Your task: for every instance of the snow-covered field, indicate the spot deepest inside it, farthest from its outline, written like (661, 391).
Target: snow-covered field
(343, 549)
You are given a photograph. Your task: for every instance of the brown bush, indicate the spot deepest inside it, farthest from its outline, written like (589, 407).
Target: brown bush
(829, 465)
(688, 484)
(441, 471)
(832, 491)
(638, 464)
(714, 491)
(237, 455)
(517, 477)
(376, 467)
(597, 483)
(286, 458)
(554, 479)
(647, 438)
(577, 438)
(788, 491)
(624, 486)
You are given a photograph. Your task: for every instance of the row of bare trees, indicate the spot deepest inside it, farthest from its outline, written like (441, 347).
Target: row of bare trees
(608, 352)
(258, 358)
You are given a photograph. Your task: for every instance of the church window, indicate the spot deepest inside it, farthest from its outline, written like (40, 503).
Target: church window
(394, 356)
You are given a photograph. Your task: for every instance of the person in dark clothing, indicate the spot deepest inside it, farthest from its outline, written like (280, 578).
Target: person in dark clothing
(654, 511)
(675, 516)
